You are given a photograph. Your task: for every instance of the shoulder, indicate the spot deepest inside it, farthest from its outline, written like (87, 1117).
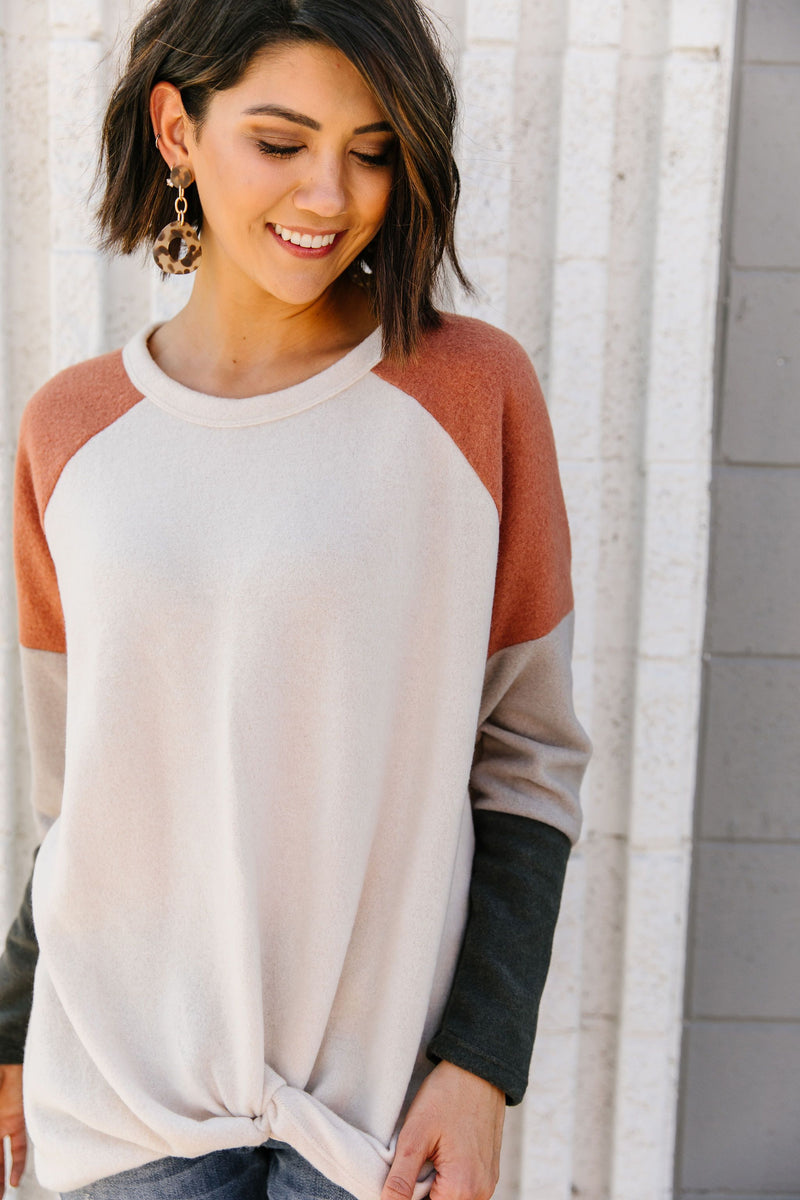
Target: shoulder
(479, 384)
(465, 356)
(70, 409)
(475, 377)
(475, 338)
(70, 397)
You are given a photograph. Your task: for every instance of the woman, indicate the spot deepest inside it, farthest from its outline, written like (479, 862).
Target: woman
(308, 796)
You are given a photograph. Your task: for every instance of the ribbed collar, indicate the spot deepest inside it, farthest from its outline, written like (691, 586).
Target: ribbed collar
(204, 409)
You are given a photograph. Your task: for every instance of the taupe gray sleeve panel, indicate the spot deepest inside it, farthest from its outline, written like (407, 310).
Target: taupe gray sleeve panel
(530, 756)
(44, 685)
(532, 752)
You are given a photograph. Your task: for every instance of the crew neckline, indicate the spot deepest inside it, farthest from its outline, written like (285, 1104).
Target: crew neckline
(206, 409)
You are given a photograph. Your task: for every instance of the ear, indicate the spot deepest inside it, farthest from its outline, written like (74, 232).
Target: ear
(170, 122)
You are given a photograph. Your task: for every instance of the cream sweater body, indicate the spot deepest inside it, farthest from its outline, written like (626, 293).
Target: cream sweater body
(281, 617)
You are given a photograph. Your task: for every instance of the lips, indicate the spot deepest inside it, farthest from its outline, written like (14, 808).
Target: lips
(307, 251)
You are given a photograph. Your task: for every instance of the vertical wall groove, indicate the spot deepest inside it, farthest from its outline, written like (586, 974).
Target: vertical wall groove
(77, 297)
(487, 147)
(672, 591)
(633, 172)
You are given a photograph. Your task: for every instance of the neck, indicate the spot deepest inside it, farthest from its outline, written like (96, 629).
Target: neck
(241, 340)
(234, 330)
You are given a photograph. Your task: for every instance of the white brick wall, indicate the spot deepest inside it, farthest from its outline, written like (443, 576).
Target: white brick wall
(592, 150)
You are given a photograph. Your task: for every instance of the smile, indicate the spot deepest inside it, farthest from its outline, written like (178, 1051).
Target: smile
(306, 240)
(305, 245)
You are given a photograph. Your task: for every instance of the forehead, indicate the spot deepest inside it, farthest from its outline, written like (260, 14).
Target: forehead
(307, 77)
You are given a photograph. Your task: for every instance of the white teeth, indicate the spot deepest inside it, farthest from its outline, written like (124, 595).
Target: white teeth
(308, 240)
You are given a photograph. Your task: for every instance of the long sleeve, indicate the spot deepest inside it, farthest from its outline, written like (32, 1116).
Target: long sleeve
(44, 676)
(530, 756)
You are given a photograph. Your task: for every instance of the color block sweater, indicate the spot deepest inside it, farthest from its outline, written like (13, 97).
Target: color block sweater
(318, 696)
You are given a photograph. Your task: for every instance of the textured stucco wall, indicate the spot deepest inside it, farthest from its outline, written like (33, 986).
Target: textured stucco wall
(592, 150)
(742, 1041)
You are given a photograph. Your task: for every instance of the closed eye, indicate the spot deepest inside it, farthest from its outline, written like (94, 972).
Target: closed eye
(370, 160)
(377, 160)
(278, 151)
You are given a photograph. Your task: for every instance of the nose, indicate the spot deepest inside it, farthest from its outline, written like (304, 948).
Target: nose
(324, 190)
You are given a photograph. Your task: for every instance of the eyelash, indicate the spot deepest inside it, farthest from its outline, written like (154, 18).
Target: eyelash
(369, 160)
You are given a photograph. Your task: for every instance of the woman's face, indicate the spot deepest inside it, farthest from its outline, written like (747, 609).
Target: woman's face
(297, 151)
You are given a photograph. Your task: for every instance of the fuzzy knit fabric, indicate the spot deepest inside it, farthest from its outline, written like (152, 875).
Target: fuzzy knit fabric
(312, 636)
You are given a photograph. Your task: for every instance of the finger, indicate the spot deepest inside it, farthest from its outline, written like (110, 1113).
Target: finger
(410, 1156)
(19, 1154)
(463, 1181)
(2, 1167)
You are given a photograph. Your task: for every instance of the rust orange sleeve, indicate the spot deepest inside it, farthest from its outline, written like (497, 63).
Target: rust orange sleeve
(41, 621)
(63, 415)
(480, 385)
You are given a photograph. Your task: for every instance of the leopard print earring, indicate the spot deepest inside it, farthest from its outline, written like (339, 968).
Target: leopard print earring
(177, 248)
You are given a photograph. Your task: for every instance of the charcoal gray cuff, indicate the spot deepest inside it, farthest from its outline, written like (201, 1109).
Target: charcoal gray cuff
(17, 967)
(489, 1021)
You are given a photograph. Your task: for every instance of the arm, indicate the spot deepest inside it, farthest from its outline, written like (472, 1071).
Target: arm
(490, 1021)
(530, 756)
(43, 664)
(17, 967)
(44, 682)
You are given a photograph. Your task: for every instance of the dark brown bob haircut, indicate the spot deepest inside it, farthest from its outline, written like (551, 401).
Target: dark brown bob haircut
(205, 46)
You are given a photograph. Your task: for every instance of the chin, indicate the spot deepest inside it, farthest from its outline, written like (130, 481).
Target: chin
(295, 292)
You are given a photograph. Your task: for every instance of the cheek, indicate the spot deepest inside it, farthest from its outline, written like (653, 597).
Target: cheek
(256, 185)
(378, 200)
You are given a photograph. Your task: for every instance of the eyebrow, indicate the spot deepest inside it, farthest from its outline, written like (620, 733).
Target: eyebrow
(287, 114)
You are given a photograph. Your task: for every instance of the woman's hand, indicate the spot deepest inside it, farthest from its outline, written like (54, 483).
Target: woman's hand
(455, 1121)
(12, 1124)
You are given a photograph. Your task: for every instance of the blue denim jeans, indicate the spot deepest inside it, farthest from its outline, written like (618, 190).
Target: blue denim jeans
(272, 1171)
